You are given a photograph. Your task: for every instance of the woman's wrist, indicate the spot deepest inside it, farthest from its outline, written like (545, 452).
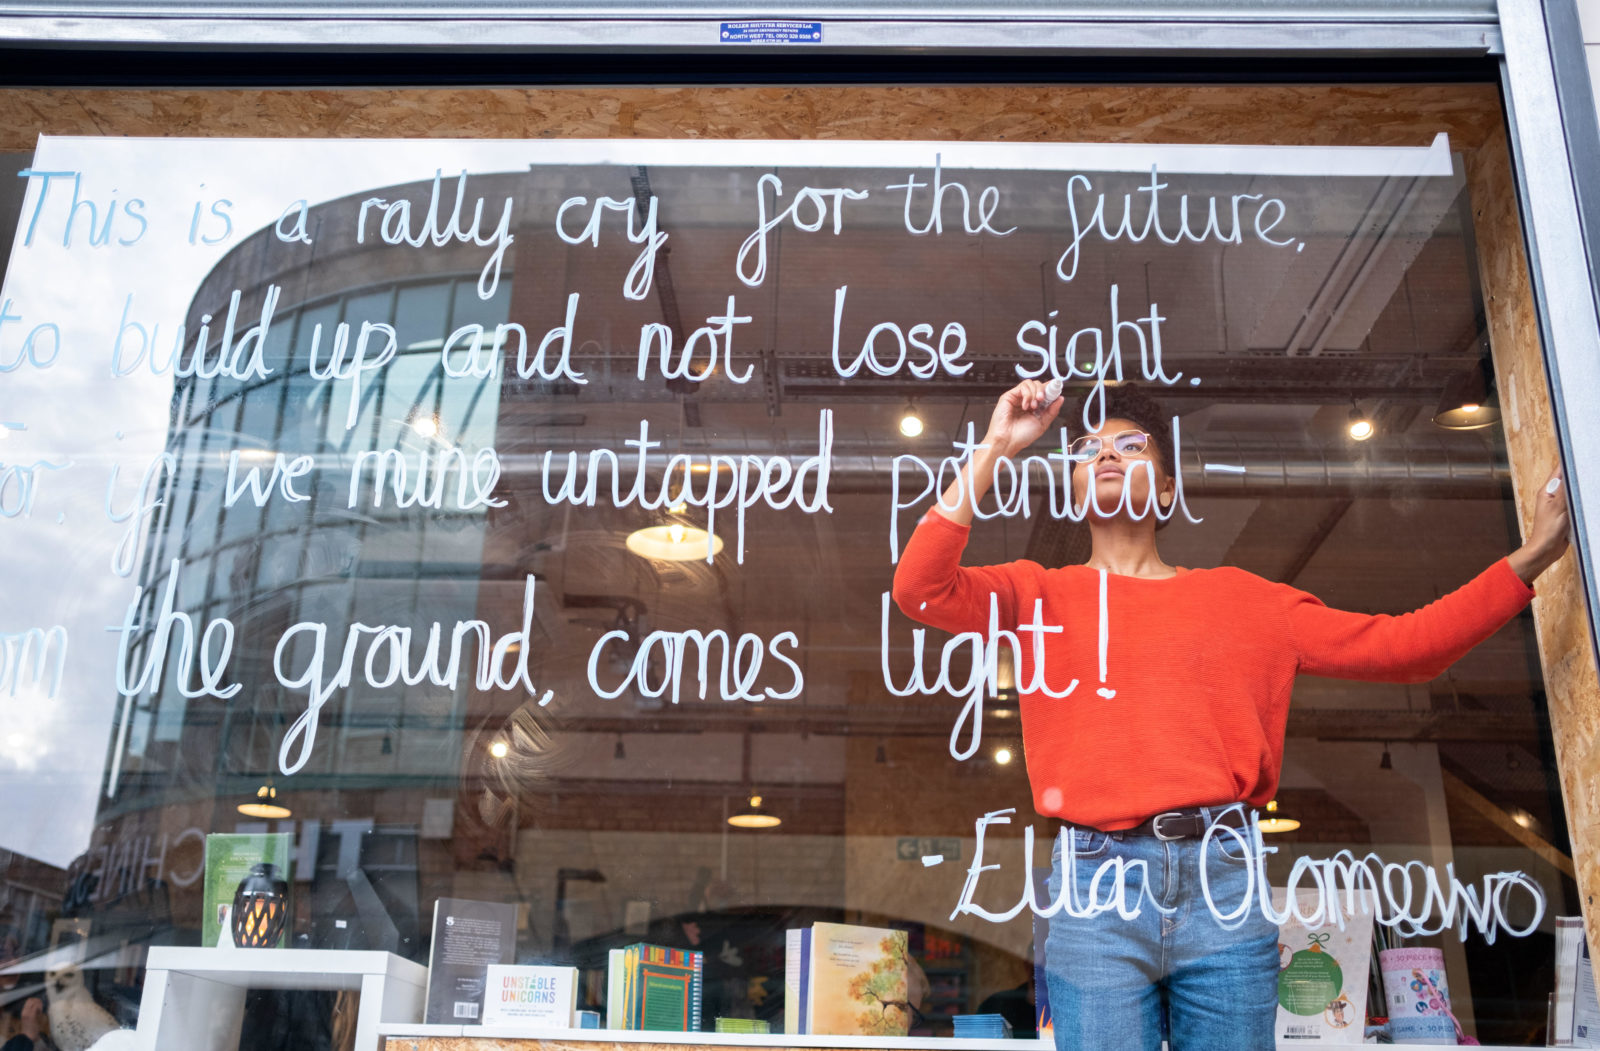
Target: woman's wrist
(994, 446)
(1530, 560)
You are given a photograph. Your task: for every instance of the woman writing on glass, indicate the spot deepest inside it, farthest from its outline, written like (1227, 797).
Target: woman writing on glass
(1177, 719)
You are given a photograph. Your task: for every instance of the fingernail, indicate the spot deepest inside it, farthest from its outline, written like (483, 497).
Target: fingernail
(1554, 484)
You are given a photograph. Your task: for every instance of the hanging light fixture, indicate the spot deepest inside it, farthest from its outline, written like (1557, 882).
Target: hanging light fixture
(265, 805)
(619, 752)
(1275, 821)
(1361, 427)
(910, 421)
(1387, 762)
(1468, 402)
(755, 817)
(1002, 755)
(675, 542)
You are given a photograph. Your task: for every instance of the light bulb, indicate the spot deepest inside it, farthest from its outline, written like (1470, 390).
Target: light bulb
(675, 531)
(1361, 430)
(910, 423)
(1002, 755)
(499, 749)
(427, 426)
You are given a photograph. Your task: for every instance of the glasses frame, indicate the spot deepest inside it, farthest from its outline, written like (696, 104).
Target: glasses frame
(1089, 446)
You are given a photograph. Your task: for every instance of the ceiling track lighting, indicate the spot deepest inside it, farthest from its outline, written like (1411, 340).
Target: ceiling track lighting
(911, 421)
(1361, 425)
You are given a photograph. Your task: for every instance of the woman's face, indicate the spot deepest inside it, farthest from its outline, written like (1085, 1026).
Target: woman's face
(1114, 469)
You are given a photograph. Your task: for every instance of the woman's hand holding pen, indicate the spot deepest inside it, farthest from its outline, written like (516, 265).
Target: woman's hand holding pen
(1547, 536)
(1022, 416)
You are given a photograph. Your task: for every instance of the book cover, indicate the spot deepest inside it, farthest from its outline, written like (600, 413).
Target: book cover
(1585, 1014)
(858, 981)
(805, 980)
(1322, 974)
(229, 857)
(536, 997)
(791, 981)
(663, 988)
(616, 997)
(468, 936)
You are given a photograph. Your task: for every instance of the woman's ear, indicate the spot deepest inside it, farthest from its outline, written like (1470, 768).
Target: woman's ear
(1166, 494)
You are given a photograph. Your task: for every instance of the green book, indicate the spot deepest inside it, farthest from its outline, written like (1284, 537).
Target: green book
(229, 858)
(662, 988)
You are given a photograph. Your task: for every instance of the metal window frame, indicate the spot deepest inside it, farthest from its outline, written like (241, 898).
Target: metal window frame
(1551, 125)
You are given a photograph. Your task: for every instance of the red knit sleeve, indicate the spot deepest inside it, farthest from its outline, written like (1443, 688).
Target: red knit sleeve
(1412, 647)
(933, 587)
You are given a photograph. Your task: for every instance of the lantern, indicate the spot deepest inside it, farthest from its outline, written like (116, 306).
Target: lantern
(260, 908)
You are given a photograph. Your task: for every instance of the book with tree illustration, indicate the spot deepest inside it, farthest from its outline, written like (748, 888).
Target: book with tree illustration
(857, 981)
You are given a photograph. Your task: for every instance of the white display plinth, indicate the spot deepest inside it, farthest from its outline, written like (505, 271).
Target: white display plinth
(194, 998)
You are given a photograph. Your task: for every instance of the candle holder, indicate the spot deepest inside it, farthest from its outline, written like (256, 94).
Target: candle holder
(260, 908)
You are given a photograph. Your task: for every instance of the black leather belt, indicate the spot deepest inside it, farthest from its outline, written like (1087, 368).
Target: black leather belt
(1189, 823)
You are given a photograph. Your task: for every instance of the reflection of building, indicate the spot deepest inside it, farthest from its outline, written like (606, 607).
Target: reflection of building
(269, 568)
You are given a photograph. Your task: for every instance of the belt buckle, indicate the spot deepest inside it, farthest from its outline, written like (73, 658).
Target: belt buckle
(1155, 826)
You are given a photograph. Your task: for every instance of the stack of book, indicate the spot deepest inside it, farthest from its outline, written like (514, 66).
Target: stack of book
(653, 987)
(982, 1027)
(844, 980)
(743, 1025)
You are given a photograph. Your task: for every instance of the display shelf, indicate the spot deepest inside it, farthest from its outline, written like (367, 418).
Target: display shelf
(511, 1038)
(194, 998)
(488, 1037)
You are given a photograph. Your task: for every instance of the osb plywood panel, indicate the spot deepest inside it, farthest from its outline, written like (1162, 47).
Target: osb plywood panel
(1274, 114)
(1565, 649)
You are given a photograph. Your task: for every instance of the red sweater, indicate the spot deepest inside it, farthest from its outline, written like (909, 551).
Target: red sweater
(1202, 663)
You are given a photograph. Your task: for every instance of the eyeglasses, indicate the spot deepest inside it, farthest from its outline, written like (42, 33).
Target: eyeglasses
(1126, 443)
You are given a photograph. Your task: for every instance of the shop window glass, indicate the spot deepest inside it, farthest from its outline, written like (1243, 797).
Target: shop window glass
(591, 775)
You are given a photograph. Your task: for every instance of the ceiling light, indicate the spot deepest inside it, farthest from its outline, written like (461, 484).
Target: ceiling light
(1468, 403)
(265, 805)
(672, 543)
(499, 749)
(619, 752)
(883, 754)
(1275, 821)
(755, 817)
(1002, 756)
(1386, 762)
(1521, 817)
(1003, 713)
(427, 426)
(910, 422)
(1361, 427)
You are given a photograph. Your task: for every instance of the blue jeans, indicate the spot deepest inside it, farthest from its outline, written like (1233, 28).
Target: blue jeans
(1113, 980)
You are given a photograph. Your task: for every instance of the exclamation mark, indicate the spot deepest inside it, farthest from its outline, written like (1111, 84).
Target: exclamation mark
(1105, 634)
